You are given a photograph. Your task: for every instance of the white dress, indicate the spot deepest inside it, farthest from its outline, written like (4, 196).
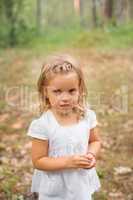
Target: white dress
(66, 184)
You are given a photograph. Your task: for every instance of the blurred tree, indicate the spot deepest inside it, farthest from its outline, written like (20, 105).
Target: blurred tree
(121, 11)
(130, 9)
(82, 5)
(77, 6)
(21, 19)
(108, 9)
(11, 9)
(40, 7)
(79, 9)
(94, 13)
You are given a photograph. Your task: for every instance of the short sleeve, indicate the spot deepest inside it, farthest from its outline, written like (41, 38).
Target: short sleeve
(91, 118)
(37, 129)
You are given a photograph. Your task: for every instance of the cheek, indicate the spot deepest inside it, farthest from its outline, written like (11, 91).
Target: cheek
(54, 100)
(76, 97)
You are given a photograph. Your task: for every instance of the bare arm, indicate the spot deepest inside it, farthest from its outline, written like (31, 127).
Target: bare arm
(40, 157)
(41, 160)
(94, 141)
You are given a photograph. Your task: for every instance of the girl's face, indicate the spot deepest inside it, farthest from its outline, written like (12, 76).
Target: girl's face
(63, 92)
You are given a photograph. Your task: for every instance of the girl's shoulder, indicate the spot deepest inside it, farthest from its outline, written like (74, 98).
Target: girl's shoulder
(91, 118)
(89, 112)
(41, 120)
(38, 127)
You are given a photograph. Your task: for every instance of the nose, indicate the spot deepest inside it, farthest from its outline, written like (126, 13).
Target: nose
(65, 96)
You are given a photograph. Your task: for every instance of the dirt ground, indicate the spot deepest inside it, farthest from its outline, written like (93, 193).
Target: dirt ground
(110, 89)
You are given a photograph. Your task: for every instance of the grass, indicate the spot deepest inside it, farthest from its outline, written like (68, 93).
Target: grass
(109, 37)
(9, 181)
(75, 36)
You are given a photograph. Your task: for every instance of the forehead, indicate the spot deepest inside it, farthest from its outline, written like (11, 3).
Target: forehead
(64, 81)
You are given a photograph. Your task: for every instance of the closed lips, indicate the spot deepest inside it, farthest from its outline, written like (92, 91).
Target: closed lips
(66, 105)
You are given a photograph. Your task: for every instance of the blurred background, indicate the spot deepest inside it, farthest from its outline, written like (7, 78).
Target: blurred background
(99, 33)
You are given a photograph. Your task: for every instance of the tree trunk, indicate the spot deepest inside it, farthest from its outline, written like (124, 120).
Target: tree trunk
(82, 4)
(12, 19)
(94, 13)
(77, 6)
(40, 15)
(121, 11)
(79, 10)
(130, 10)
(108, 9)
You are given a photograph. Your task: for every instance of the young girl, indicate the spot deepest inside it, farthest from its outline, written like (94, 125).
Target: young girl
(65, 140)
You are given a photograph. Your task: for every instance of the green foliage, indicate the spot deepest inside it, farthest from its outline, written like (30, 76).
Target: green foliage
(101, 173)
(17, 197)
(53, 38)
(101, 195)
(13, 22)
(110, 37)
(8, 186)
(76, 37)
(62, 27)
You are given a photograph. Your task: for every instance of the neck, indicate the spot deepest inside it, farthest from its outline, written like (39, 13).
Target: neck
(66, 118)
(64, 114)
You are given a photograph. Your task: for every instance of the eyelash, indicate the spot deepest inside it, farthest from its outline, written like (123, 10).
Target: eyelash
(72, 90)
(59, 91)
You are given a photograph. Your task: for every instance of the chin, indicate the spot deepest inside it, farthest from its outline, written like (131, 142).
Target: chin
(65, 112)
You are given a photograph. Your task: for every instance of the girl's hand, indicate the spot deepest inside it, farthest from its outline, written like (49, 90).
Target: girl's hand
(80, 161)
(91, 158)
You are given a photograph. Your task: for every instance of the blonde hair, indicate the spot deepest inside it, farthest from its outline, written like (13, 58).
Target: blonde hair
(61, 64)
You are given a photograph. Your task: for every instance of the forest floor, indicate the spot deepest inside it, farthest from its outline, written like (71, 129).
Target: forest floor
(110, 84)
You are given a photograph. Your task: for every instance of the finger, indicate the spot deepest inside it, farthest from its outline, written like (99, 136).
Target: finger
(85, 160)
(90, 164)
(86, 167)
(84, 164)
(89, 156)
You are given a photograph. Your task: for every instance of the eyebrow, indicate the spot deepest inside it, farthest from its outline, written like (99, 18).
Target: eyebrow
(73, 88)
(61, 89)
